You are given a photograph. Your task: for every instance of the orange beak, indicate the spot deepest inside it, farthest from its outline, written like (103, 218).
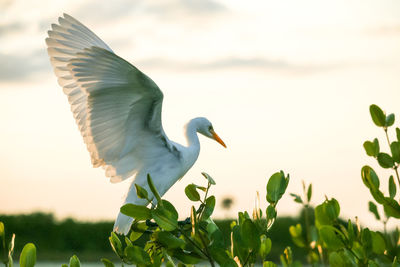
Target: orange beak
(217, 138)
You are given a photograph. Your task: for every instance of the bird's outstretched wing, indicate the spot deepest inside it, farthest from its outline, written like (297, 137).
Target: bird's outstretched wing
(116, 106)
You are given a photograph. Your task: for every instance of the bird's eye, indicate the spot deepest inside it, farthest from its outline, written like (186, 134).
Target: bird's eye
(210, 128)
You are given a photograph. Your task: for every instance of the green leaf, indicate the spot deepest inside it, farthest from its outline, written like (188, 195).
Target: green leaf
(10, 250)
(265, 246)
(64, 265)
(395, 262)
(297, 198)
(238, 244)
(288, 256)
(229, 263)
(389, 120)
(378, 243)
(192, 193)
(28, 256)
(350, 232)
(3, 249)
(348, 258)
(369, 177)
(391, 207)
(372, 208)
(165, 216)
(378, 116)
(296, 234)
(128, 241)
(153, 188)
(202, 188)
(332, 209)
(395, 149)
(116, 244)
(366, 240)
(372, 148)
(209, 208)
(385, 160)
(220, 255)
(271, 212)
(371, 180)
(392, 187)
(141, 192)
(327, 212)
(250, 235)
(2, 231)
(309, 193)
(216, 236)
(209, 178)
(193, 220)
(372, 263)
(398, 134)
(335, 260)
(137, 212)
(186, 257)
(74, 261)
(137, 230)
(107, 262)
(169, 240)
(137, 255)
(276, 186)
(269, 264)
(330, 237)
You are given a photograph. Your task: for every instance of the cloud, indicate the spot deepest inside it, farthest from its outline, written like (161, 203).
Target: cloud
(102, 11)
(22, 67)
(386, 30)
(254, 63)
(160, 9)
(186, 8)
(9, 28)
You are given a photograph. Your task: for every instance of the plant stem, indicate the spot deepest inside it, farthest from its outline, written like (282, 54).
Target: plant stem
(396, 166)
(207, 252)
(397, 174)
(199, 248)
(384, 226)
(247, 259)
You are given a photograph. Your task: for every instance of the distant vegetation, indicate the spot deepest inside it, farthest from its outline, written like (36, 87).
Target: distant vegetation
(317, 237)
(58, 240)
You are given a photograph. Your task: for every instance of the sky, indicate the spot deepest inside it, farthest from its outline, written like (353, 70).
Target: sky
(287, 85)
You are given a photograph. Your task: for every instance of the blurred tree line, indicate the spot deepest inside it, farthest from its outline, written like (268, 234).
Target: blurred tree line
(58, 240)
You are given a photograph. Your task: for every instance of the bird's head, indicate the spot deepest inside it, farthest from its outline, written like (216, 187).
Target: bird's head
(205, 127)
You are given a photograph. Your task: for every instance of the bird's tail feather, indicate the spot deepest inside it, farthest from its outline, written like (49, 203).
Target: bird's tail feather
(122, 224)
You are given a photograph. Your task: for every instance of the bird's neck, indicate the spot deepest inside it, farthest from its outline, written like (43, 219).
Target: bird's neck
(192, 150)
(191, 134)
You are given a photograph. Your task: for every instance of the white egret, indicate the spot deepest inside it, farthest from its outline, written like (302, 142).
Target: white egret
(118, 111)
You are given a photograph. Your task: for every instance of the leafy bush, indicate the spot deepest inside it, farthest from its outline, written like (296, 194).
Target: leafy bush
(328, 240)
(198, 238)
(158, 238)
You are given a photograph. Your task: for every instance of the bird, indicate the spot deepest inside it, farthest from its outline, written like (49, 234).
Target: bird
(117, 109)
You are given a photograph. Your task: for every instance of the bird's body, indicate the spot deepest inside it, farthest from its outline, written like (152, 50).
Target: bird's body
(118, 111)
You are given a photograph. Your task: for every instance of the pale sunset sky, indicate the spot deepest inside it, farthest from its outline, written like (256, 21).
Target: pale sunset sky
(287, 85)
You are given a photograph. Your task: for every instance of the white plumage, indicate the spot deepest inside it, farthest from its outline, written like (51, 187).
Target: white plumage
(118, 111)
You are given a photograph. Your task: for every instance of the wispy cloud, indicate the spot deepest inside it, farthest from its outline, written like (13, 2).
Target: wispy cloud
(10, 28)
(161, 9)
(234, 63)
(22, 67)
(186, 8)
(386, 30)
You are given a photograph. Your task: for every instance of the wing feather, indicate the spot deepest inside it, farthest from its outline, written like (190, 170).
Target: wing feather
(116, 106)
